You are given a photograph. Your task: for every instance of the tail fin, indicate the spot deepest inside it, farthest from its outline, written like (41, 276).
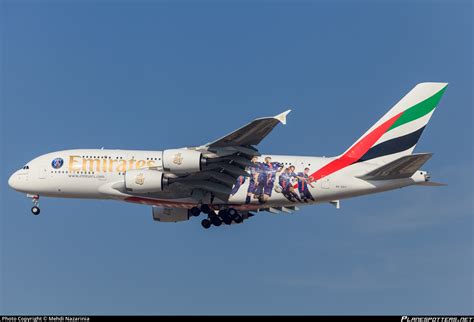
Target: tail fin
(398, 131)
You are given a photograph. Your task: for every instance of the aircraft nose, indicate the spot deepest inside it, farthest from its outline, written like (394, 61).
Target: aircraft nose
(13, 181)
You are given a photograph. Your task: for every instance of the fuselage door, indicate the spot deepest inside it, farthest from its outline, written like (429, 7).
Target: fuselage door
(42, 173)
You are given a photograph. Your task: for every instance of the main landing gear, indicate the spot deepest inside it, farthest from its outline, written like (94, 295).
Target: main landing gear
(223, 216)
(35, 209)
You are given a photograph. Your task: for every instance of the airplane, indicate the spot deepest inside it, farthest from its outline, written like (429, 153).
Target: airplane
(229, 180)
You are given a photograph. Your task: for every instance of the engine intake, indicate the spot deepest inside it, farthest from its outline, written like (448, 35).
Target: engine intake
(182, 161)
(144, 180)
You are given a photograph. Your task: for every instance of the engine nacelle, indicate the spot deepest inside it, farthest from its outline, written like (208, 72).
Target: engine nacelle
(170, 214)
(144, 180)
(182, 161)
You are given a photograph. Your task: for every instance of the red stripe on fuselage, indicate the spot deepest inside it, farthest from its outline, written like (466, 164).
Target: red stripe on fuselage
(355, 152)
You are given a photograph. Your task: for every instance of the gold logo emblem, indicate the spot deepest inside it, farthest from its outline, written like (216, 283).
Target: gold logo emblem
(140, 179)
(178, 159)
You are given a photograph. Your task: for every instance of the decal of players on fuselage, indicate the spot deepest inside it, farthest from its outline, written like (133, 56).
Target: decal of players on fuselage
(286, 181)
(304, 180)
(264, 177)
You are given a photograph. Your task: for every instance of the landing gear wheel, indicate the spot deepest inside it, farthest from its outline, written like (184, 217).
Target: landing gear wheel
(232, 212)
(227, 219)
(195, 211)
(35, 210)
(237, 218)
(206, 209)
(206, 223)
(216, 221)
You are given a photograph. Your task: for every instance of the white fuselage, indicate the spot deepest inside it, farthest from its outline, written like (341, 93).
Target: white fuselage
(92, 173)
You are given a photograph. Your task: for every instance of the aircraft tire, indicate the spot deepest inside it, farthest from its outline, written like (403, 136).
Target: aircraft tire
(195, 211)
(206, 209)
(206, 223)
(227, 219)
(237, 218)
(216, 221)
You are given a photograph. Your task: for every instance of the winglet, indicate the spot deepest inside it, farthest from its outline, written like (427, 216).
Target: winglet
(282, 116)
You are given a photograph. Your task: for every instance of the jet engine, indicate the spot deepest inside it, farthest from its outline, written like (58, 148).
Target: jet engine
(170, 214)
(182, 161)
(144, 180)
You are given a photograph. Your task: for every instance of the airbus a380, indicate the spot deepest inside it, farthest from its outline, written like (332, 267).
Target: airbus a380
(229, 180)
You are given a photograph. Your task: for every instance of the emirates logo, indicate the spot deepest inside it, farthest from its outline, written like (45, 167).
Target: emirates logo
(140, 179)
(178, 159)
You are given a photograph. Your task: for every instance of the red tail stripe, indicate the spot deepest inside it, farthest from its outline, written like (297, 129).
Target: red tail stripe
(355, 152)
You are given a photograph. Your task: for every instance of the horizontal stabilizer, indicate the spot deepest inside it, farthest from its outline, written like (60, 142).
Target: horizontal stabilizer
(400, 168)
(431, 184)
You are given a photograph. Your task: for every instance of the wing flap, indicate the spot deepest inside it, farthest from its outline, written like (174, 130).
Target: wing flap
(400, 168)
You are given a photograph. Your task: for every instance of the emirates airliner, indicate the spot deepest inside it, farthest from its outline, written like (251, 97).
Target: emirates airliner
(229, 180)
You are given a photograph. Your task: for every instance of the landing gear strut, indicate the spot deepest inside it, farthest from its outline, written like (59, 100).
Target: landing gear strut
(35, 199)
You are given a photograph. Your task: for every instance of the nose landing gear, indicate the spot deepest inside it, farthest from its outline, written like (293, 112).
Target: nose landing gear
(35, 210)
(35, 199)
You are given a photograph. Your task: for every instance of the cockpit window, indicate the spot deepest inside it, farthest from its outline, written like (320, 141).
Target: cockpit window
(25, 167)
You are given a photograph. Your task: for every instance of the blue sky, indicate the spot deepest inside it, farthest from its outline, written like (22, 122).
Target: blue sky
(155, 74)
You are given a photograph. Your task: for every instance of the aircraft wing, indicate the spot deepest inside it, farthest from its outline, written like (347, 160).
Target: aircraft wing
(252, 133)
(228, 157)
